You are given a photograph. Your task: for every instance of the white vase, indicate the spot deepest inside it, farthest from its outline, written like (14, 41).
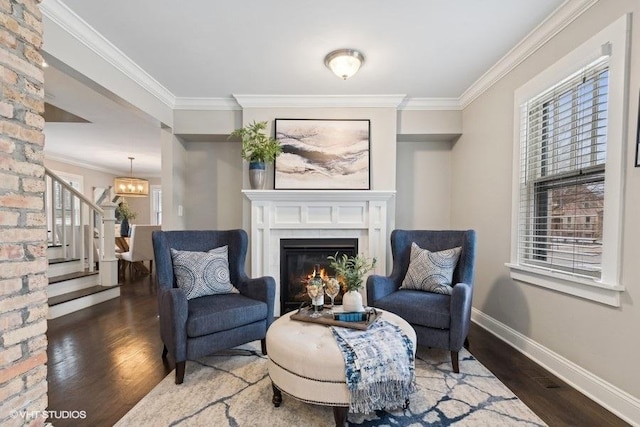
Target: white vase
(352, 301)
(257, 175)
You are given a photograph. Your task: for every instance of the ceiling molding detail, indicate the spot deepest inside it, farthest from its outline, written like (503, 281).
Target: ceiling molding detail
(70, 22)
(556, 22)
(195, 103)
(430, 104)
(114, 172)
(319, 101)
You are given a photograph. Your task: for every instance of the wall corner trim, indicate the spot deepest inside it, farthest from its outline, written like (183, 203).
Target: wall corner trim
(618, 401)
(556, 22)
(60, 14)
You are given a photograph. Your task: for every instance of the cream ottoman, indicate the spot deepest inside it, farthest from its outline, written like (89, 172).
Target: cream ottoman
(306, 363)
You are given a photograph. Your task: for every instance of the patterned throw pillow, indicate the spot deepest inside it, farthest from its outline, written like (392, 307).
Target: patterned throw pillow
(431, 271)
(203, 273)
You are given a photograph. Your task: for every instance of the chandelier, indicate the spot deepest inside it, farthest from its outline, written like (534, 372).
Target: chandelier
(130, 186)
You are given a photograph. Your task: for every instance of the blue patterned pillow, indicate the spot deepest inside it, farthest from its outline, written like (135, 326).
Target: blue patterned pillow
(203, 273)
(431, 271)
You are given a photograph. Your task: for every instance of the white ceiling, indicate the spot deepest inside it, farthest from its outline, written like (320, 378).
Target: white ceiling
(216, 48)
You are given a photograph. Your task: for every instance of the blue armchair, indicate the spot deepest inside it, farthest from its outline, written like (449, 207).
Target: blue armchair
(440, 321)
(197, 327)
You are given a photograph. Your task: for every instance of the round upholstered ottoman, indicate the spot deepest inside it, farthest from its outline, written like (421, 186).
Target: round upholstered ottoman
(306, 363)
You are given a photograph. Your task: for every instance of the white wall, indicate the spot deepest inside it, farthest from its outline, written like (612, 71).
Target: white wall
(603, 340)
(423, 198)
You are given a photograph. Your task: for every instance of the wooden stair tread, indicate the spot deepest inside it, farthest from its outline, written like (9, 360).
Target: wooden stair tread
(78, 294)
(71, 276)
(62, 260)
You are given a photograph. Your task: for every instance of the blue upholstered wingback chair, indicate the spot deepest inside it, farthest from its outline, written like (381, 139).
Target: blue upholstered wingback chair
(440, 321)
(194, 328)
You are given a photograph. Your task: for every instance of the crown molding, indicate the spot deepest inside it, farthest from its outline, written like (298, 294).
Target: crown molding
(556, 22)
(431, 104)
(72, 162)
(319, 101)
(69, 21)
(194, 103)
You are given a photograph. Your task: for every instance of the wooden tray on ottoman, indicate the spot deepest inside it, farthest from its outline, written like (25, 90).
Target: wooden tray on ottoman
(304, 315)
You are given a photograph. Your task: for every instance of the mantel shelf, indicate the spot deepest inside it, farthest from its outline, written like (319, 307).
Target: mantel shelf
(317, 195)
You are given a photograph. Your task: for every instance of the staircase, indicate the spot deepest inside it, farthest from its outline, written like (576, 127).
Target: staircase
(83, 269)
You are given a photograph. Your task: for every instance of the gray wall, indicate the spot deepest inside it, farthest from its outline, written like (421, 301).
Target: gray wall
(603, 340)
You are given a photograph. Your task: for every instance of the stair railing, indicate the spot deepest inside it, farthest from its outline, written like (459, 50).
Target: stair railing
(75, 223)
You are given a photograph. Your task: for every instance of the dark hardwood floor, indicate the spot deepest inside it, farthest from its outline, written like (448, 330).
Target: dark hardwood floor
(105, 358)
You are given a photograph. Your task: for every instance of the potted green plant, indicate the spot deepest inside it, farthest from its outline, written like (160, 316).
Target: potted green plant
(350, 271)
(257, 149)
(124, 213)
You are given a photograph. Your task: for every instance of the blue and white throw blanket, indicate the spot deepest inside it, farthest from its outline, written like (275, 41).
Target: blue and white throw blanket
(380, 366)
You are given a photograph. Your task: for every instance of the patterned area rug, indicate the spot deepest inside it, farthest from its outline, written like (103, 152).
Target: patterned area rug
(232, 388)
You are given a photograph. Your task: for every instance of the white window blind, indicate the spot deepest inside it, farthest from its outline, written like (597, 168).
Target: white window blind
(562, 173)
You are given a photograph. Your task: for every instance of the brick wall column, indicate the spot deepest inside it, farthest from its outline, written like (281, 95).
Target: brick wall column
(23, 234)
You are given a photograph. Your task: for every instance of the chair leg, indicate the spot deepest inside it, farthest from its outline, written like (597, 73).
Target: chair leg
(164, 352)
(454, 362)
(263, 344)
(180, 371)
(151, 267)
(466, 343)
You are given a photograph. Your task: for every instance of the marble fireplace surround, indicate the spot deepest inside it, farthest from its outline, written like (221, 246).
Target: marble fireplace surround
(290, 214)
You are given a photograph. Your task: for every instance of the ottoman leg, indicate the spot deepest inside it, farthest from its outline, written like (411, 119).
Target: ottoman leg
(340, 415)
(277, 396)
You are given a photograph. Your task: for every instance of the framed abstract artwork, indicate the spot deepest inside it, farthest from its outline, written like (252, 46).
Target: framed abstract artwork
(323, 154)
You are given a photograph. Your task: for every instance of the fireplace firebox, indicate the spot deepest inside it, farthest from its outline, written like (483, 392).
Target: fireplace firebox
(298, 258)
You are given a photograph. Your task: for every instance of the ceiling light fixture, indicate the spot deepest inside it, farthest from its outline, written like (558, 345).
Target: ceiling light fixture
(344, 62)
(131, 187)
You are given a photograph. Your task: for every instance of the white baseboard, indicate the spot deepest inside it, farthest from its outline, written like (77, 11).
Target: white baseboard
(604, 393)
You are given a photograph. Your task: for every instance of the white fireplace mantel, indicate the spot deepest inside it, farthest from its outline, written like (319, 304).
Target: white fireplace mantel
(277, 214)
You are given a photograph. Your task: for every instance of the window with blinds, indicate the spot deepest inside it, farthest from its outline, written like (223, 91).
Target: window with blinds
(562, 174)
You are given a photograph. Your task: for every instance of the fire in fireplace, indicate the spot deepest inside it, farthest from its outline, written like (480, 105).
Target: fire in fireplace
(298, 258)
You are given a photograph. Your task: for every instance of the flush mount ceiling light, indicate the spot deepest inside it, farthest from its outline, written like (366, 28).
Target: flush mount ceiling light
(344, 62)
(131, 187)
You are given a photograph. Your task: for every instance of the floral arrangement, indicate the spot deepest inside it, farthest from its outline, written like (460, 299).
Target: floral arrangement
(350, 270)
(123, 211)
(256, 145)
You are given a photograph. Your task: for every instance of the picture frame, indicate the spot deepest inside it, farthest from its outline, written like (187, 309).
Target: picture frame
(323, 154)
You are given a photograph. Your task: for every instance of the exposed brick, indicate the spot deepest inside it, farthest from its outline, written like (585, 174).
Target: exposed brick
(37, 343)
(20, 65)
(34, 153)
(6, 110)
(35, 219)
(10, 355)
(11, 252)
(10, 286)
(36, 376)
(10, 76)
(18, 302)
(9, 23)
(32, 55)
(33, 185)
(25, 401)
(7, 39)
(13, 235)
(15, 269)
(7, 146)
(24, 333)
(9, 182)
(31, 37)
(37, 313)
(23, 366)
(25, 168)
(33, 22)
(34, 89)
(9, 218)
(37, 251)
(5, 6)
(38, 282)
(11, 389)
(32, 7)
(34, 120)
(13, 200)
(10, 321)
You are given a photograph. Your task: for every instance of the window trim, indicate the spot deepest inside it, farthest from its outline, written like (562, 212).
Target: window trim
(612, 40)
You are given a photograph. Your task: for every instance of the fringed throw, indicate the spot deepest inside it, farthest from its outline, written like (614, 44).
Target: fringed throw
(379, 366)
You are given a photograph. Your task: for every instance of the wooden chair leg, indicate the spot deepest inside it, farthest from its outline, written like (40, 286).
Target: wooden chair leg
(454, 362)
(180, 371)
(263, 344)
(340, 415)
(151, 267)
(164, 352)
(466, 343)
